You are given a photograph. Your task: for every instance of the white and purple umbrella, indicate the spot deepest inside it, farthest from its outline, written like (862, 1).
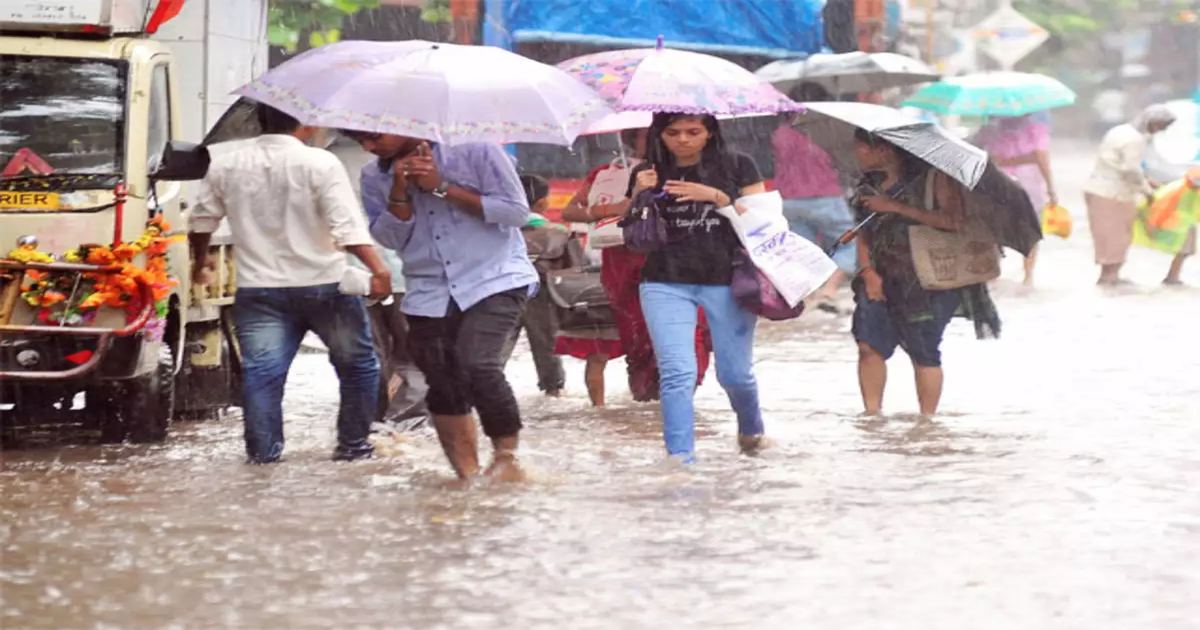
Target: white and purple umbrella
(667, 80)
(440, 92)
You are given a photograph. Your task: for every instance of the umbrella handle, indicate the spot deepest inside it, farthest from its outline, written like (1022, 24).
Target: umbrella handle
(850, 234)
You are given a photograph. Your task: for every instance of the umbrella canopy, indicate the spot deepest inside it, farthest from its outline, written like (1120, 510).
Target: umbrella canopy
(995, 198)
(993, 94)
(849, 72)
(620, 121)
(832, 126)
(666, 80)
(440, 92)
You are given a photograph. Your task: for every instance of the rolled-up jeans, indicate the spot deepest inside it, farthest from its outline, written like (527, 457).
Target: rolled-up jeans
(271, 322)
(461, 355)
(670, 311)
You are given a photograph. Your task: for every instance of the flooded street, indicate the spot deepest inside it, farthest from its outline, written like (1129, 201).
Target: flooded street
(1058, 490)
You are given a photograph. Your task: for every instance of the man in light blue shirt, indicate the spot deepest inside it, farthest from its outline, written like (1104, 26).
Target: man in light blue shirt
(454, 214)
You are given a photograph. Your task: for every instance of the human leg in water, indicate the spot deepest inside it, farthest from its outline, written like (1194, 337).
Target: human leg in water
(593, 376)
(929, 388)
(733, 344)
(670, 311)
(872, 379)
(1030, 263)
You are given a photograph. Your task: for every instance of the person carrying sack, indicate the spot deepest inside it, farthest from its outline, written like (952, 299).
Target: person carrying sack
(894, 304)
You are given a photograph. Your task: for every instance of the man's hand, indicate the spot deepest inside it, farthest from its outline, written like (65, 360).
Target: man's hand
(381, 285)
(202, 271)
(400, 178)
(381, 277)
(420, 169)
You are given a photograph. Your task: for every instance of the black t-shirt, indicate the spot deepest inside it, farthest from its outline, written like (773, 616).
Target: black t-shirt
(701, 242)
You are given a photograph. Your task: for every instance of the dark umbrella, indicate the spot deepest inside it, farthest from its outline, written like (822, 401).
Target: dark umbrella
(992, 196)
(239, 122)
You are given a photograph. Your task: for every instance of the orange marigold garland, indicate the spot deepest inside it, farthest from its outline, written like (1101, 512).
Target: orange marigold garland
(51, 292)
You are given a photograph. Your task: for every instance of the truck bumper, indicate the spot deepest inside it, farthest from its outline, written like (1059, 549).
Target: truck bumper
(46, 354)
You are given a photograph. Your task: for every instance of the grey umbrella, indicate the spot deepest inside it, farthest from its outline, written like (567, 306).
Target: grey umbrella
(991, 195)
(832, 126)
(849, 72)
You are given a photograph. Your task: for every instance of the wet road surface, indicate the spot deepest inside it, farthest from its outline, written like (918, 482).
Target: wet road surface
(1058, 490)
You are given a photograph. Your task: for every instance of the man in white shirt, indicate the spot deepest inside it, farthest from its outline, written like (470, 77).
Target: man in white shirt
(293, 215)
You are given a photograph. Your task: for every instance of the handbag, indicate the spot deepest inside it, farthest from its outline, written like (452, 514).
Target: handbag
(755, 293)
(644, 229)
(580, 299)
(952, 260)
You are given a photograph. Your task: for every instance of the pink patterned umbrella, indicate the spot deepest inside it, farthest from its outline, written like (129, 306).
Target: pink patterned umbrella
(668, 80)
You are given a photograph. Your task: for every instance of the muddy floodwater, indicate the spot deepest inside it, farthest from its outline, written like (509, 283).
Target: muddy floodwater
(1058, 490)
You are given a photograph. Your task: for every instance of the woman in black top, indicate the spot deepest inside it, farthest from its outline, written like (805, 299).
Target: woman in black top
(691, 173)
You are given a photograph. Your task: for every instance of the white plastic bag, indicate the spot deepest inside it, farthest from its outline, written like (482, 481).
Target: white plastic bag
(794, 264)
(356, 281)
(610, 186)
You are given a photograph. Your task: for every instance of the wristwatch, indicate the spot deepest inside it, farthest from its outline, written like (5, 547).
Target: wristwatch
(441, 190)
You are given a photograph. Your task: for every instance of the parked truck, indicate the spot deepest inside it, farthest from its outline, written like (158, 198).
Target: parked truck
(102, 106)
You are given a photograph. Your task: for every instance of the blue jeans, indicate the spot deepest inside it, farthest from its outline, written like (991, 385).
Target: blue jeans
(270, 325)
(670, 311)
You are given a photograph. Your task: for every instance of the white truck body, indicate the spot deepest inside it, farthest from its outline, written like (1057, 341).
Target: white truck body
(91, 106)
(218, 45)
(110, 17)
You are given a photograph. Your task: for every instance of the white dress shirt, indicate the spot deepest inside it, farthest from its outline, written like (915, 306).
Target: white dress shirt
(291, 209)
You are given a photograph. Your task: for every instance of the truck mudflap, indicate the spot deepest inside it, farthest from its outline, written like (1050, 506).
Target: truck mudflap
(103, 337)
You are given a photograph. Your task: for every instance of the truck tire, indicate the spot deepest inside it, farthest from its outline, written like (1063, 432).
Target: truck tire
(141, 409)
(203, 393)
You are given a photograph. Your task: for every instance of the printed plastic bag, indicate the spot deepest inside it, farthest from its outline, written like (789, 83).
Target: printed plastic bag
(793, 264)
(609, 186)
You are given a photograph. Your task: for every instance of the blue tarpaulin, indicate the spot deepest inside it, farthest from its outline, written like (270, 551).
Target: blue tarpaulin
(771, 28)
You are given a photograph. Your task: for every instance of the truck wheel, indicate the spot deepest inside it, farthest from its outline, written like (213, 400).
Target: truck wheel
(141, 408)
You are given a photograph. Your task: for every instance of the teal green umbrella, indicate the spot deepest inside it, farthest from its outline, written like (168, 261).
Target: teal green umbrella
(993, 94)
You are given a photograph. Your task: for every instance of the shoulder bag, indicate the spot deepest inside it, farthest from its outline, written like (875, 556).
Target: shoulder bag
(952, 260)
(754, 291)
(580, 299)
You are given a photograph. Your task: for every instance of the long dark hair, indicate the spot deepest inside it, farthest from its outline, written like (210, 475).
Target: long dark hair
(716, 161)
